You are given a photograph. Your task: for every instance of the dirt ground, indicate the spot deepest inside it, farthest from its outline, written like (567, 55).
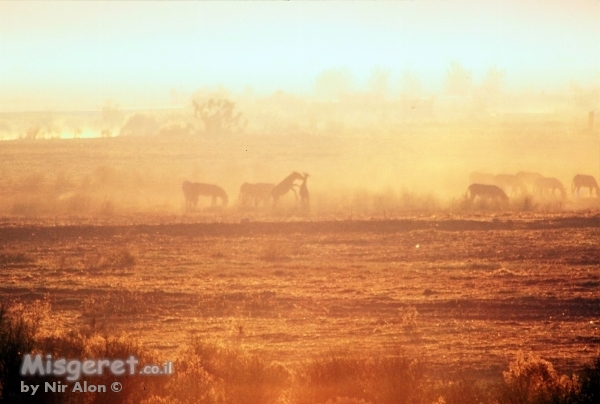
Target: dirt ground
(469, 291)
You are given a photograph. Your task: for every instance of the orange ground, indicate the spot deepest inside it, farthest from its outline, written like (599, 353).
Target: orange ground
(465, 290)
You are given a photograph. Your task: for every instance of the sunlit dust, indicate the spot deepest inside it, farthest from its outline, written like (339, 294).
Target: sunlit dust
(301, 202)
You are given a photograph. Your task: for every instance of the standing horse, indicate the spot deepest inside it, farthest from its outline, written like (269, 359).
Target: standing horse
(584, 181)
(486, 192)
(192, 190)
(548, 186)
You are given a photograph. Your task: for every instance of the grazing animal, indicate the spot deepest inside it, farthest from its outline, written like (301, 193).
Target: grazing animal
(192, 190)
(585, 181)
(511, 184)
(529, 178)
(304, 192)
(259, 192)
(286, 186)
(486, 192)
(549, 185)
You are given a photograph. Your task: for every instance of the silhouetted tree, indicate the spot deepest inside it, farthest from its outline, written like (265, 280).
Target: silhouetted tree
(218, 116)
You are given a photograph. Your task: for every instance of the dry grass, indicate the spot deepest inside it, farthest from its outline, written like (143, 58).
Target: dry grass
(15, 258)
(218, 372)
(276, 296)
(531, 379)
(276, 251)
(21, 332)
(120, 261)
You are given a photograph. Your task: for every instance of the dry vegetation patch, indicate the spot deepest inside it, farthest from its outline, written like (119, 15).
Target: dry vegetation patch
(280, 301)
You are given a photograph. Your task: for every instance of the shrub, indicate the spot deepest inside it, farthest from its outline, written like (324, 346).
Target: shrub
(332, 376)
(400, 380)
(465, 390)
(213, 373)
(590, 383)
(17, 337)
(20, 334)
(344, 377)
(532, 380)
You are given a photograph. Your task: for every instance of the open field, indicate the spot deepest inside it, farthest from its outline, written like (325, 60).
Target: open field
(389, 262)
(422, 167)
(473, 290)
(299, 203)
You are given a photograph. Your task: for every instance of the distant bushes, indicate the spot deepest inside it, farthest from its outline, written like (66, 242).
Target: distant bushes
(212, 372)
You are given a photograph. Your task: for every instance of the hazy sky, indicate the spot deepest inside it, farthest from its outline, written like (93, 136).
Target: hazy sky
(61, 55)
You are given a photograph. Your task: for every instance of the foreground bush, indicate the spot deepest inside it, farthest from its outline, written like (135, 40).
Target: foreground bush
(590, 384)
(346, 378)
(532, 380)
(18, 329)
(213, 373)
(20, 335)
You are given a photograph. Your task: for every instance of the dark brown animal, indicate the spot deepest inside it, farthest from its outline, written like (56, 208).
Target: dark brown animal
(585, 181)
(286, 186)
(548, 186)
(193, 190)
(486, 192)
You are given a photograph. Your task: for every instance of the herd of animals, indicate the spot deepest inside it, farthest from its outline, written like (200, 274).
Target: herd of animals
(500, 187)
(488, 187)
(255, 193)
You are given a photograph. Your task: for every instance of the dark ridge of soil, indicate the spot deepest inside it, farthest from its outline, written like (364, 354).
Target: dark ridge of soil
(301, 227)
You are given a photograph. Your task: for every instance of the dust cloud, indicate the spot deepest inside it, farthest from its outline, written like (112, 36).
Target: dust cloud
(391, 147)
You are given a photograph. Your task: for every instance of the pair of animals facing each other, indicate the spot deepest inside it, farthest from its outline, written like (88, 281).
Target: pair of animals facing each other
(259, 192)
(498, 187)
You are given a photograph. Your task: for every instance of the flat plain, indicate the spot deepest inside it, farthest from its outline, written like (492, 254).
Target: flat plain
(471, 290)
(97, 228)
